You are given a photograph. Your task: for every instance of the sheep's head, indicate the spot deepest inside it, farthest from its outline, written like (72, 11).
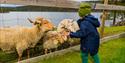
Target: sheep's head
(42, 23)
(61, 38)
(67, 24)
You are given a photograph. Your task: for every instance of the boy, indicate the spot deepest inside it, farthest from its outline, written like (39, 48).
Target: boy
(88, 34)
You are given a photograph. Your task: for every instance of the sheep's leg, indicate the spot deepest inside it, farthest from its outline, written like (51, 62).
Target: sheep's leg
(50, 51)
(28, 54)
(46, 50)
(20, 55)
(19, 51)
(19, 58)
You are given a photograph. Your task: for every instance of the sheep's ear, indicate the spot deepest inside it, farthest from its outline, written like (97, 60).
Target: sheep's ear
(30, 20)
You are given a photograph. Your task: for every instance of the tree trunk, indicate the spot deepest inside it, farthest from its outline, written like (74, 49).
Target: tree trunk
(114, 18)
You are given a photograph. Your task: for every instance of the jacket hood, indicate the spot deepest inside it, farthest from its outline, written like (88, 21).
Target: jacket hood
(92, 20)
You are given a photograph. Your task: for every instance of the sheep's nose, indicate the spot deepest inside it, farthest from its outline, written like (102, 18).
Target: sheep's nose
(51, 27)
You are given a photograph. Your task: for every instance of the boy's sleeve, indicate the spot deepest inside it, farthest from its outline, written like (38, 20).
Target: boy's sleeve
(80, 33)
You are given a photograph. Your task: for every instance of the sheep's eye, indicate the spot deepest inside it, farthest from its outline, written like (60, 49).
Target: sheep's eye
(44, 23)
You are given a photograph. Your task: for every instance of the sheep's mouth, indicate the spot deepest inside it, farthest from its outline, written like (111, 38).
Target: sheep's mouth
(47, 31)
(51, 29)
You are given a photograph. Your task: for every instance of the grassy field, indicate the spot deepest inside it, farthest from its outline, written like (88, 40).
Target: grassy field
(111, 52)
(4, 58)
(113, 30)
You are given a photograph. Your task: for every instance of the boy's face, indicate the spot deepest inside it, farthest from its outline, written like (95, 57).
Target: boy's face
(84, 9)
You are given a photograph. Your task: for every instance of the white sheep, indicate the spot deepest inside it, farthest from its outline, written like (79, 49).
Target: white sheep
(70, 24)
(23, 38)
(53, 39)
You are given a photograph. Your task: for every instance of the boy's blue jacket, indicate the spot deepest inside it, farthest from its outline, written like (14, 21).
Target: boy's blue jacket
(88, 34)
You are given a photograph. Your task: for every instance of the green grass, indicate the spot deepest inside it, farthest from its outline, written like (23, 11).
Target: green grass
(113, 30)
(67, 58)
(4, 57)
(111, 52)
